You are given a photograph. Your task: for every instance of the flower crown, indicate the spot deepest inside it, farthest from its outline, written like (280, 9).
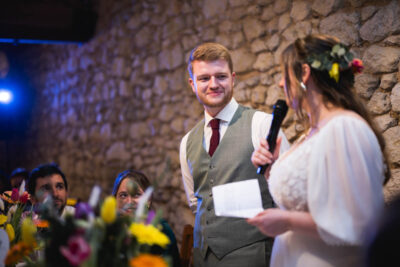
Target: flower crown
(338, 59)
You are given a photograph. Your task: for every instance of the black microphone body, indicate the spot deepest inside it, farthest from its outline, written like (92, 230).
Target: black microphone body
(279, 113)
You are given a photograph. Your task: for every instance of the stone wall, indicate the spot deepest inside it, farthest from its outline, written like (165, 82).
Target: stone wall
(122, 100)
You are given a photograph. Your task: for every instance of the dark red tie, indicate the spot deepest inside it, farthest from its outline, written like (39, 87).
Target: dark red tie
(214, 141)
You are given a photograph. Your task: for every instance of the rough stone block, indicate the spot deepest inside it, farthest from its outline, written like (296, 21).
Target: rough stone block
(325, 7)
(379, 59)
(264, 62)
(382, 24)
(367, 12)
(150, 65)
(253, 28)
(212, 8)
(117, 151)
(281, 6)
(284, 22)
(385, 121)
(366, 84)
(118, 67)
(258, 94)
(242, 59)
(258, 45)
(342, 25)
(395, 98)
(379, 103)
(392, 138)
(387, 81)
(300, 10)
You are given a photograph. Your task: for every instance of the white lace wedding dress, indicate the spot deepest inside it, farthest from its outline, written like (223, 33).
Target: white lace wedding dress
(336, 175)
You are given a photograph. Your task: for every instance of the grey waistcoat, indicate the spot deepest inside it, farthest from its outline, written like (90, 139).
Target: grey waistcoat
(230, 163)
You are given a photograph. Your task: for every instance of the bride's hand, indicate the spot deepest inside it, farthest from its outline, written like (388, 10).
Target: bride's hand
(271, 222)
(262, 155)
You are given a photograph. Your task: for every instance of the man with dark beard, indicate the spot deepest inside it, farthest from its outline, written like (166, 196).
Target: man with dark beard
(218, 151)
(49, 180)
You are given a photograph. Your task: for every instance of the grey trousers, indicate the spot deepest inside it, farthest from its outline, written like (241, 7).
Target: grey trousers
(254, 255)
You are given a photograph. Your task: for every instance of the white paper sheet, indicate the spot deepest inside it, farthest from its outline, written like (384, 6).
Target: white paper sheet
(239, 199)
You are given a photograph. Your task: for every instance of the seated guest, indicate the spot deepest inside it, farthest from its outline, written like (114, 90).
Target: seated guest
(49, 180)
(127, 204)
(17, 176)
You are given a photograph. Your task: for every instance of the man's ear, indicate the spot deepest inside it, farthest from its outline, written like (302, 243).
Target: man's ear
(233, 78)
(192, 84)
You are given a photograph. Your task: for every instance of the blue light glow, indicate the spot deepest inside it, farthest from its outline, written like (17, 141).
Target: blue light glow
(5, 96)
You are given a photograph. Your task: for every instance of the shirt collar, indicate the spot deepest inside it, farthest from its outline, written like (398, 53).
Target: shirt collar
(225, 114)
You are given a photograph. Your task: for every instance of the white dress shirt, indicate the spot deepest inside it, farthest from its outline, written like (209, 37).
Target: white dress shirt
(260, 125)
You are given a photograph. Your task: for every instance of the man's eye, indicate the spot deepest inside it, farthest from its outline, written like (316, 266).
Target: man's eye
(204, 79)
(60, 186)
(45, 188)
(221, 77)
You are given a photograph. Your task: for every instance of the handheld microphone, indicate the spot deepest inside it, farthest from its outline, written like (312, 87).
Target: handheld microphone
(279, 113)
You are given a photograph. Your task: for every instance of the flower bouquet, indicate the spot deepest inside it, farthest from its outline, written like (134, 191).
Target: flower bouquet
(16, 220)
(97, 236)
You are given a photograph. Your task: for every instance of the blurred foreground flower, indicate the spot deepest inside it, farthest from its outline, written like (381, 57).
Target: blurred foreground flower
(15, 194)
(10, 232)
(148, 260)
(28, 231)
(109, 210)
(82, 210)
(78, 250)
(87, 238)
(148, 234)
(17, 253)
(3, 219)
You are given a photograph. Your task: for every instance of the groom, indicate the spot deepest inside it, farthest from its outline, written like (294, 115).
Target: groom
(218, 151)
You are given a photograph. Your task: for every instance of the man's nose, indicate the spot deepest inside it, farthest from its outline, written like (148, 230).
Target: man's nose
(213, 82)
(53, 191)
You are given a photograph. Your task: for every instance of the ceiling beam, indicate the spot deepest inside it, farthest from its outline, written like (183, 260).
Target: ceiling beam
(46, 21)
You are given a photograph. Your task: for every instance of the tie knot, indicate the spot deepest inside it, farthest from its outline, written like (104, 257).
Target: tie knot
(214, 123)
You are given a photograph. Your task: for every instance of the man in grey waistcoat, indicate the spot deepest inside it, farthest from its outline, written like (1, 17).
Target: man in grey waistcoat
(218, 151)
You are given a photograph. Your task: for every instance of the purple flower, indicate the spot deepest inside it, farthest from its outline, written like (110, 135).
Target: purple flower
(150, 216)
(82, 210)
(77, 251)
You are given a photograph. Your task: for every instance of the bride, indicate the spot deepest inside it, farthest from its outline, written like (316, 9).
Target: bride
(328, 186)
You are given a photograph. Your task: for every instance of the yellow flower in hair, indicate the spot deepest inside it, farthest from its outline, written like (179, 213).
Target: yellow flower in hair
(109, 210)
(334, 72)
(28, 231)
(148, 234)
(10, 232)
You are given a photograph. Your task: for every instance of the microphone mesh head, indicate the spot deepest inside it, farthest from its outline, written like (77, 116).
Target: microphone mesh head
(280, 108)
